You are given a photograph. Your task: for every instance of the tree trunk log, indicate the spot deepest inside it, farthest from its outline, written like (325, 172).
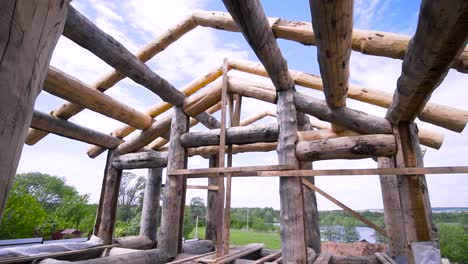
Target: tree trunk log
(71, 130)
(83, 32)
(149, 212)
(440, 38)
(356, 147)
(212, 206)
(134, 242)
(332, 22)
(67, 87)
(29, 31)
(174, 202)
(107, 209)
(151, 256)
(198, 247)
(140, 160)
(254, 147)
(234, 135)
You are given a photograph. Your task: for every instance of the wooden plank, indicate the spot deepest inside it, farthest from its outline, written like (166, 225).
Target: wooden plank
(71, 130)
(149, 212)
(332, 22)
(444, 116)
(353, 147)
(230, 169)
(172, 208)
(269, 257)
(107, 209)
(201, 187)
(323, 258)
(73, 90)
(384, 258)
(344, 207)
(29, 32)
(234, 254)
(86, 34)
(440, 38)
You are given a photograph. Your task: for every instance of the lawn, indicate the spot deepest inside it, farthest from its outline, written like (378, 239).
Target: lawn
(241, 237)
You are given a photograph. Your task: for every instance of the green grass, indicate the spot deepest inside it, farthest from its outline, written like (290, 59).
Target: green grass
(241, 237)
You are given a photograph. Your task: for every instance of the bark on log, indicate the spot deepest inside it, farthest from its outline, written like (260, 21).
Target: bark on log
(151, 256)
(440, 115)
(255, 147)
(83, 32)
(440, 38)
(29, 31)
(71, 89)
(392, 209)
(234, 135)
(140, 160)
(208, 120)
(107, 209)
(332, 22)
(193, 106)
(212, 200)
(134, 242)
(198, 247)
(174, 200)
(71, 130)
(251, 19)
(356, 147)
(68, 110)
(149, 212)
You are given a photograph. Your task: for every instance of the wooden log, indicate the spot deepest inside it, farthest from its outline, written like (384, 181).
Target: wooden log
(149, 212)
(323, 258)
(234, 135)
(208, 120)
(107, 208)
(255, 147)
(71, 89)
(86, 34)
(336, 259)
(332, 22)
(354, 147)
(394, 225)
(212, 206)
(28, 34)
(193, 106)
(71, 130)
(134, 242)
(151, 256)
(140, 160)
(119, 251)
(173, 203)
(198, 247)
(440, 38)
(444, 116)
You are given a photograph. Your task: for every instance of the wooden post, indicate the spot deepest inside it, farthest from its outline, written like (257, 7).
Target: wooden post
(173, 203)
(212, 206)
(310, 200)
(392, 209)
(29, 31)
(149, 212)
(105, 217)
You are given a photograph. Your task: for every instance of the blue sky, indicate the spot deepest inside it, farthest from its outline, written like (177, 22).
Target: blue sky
(135, 23)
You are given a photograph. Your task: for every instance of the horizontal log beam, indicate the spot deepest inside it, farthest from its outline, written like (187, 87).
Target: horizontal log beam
(211, 150)
(208, 120)
(140, 160)
(64, 128)
(353, 147)
(440, 38)
(440, 115)
(71, 89)
(234, 135)
(86, 34)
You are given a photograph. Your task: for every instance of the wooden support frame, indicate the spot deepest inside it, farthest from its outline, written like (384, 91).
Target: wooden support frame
(151, 199)
(212, 204)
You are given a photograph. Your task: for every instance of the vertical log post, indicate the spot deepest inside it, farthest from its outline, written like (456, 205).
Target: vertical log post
(107, 209)
(310, 200)
(392, 209)
(29, 31)
(212, 205)
(149, 212)
(173, 202)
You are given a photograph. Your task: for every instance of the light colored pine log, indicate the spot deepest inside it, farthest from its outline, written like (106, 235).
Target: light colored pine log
(344, 207)
(71, 89)
(140, 160)
(394, 225)
(29, 31)
(353, 147)
(86, 34)
(234, 135)
(174, 200)
(254, 118)
(107, 208)
(332, 22)
(71, 130)
(151, 199)
(440, 115)
(134, 242)
(255, 147)
(440, 38)
(203, 187)
(212, 206)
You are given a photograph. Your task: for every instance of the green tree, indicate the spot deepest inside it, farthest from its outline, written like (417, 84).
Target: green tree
(197, 208)
(188, 222)
(23, 214)
(453, 240)
(350, 234)
(130, 196)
